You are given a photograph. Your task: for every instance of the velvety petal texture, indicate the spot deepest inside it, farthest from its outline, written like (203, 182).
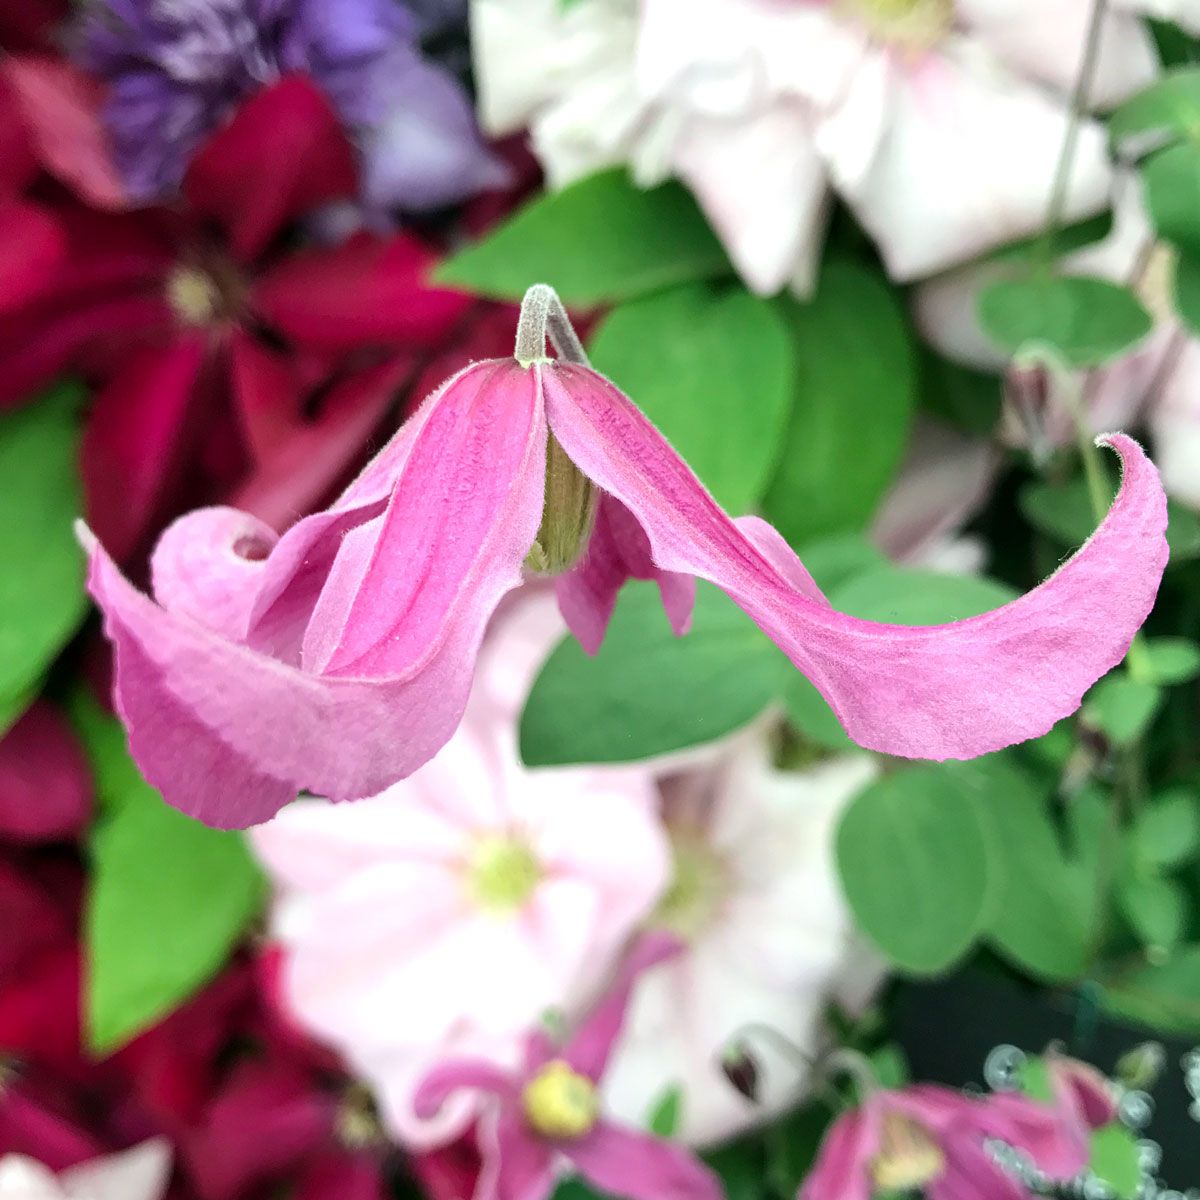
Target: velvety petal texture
(389, 618)
(949, 691)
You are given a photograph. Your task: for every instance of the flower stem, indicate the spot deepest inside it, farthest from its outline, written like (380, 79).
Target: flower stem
(1066, 158)
(542, 315)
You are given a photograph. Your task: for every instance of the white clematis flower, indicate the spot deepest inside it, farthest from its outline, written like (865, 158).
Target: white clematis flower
(138, 1174)
(769, 941)
(939, 122)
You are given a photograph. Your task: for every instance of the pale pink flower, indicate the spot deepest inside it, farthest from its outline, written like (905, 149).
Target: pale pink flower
(1158, 381)
(138, 1174)
(338, 658)
(766, 940)
(939, 122)
(547, 1116)
(448, 914)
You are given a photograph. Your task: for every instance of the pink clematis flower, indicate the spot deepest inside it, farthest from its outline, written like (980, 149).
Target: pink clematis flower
(338, 658)
(548, 1117)
(932, 1139)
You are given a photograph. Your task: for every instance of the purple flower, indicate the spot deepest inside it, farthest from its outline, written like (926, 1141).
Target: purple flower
(547, 1114)
(176, 69)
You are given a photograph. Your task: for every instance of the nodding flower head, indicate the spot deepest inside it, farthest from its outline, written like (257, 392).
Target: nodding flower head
(338, 659)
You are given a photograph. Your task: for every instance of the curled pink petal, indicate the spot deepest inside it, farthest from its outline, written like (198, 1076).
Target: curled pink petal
(516, 1165)
(457, 1075)
(947, 691)
(208, 565)
(639, 1166)
(231, 731)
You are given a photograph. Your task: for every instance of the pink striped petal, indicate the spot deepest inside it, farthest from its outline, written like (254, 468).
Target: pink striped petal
(639, 1166)
(947, 691)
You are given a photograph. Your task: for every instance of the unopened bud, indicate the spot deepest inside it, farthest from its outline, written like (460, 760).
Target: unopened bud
(1041, 402)
(567, 518)
(741, 1069)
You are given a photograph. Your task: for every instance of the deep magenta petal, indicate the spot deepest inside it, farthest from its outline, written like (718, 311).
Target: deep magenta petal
(841, 1171)
(638, 1166)
(589, 1050)
(946, 691)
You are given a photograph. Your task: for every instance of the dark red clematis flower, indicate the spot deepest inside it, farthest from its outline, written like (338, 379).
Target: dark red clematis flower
(221, 349)
(45, 784)
(49, 129)
(31, 24)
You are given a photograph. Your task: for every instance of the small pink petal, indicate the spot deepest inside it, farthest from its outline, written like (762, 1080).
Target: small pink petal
(617, 551)
(948, 691)
(638, 1166)
(841, 1171)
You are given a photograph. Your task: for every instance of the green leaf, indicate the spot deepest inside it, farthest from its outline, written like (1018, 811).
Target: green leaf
(1186, 286)
(1171, 660)
(1167, 832)
(668, 1112)
(1116, 1161)
(1087, 321)
(169, 899)
(739, 1166)
(1170, 105)
(714, 369)
(599, 241)
(835, 560)
(1164, 996)
(857, 373)
(901, 596)
(964, 397)
(811, 715)
(42, 598)
(1171, 179)
(1044, 915)
(1155, 907)
(913, 859)
(648, 692)
(1063, 511)
(1122, 708)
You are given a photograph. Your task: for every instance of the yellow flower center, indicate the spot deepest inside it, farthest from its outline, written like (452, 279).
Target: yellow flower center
(908, 1157)
(559, 1102)
(356, 1123)
(193, 295)
(698, 885)
(502, 873)
(911, 24)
